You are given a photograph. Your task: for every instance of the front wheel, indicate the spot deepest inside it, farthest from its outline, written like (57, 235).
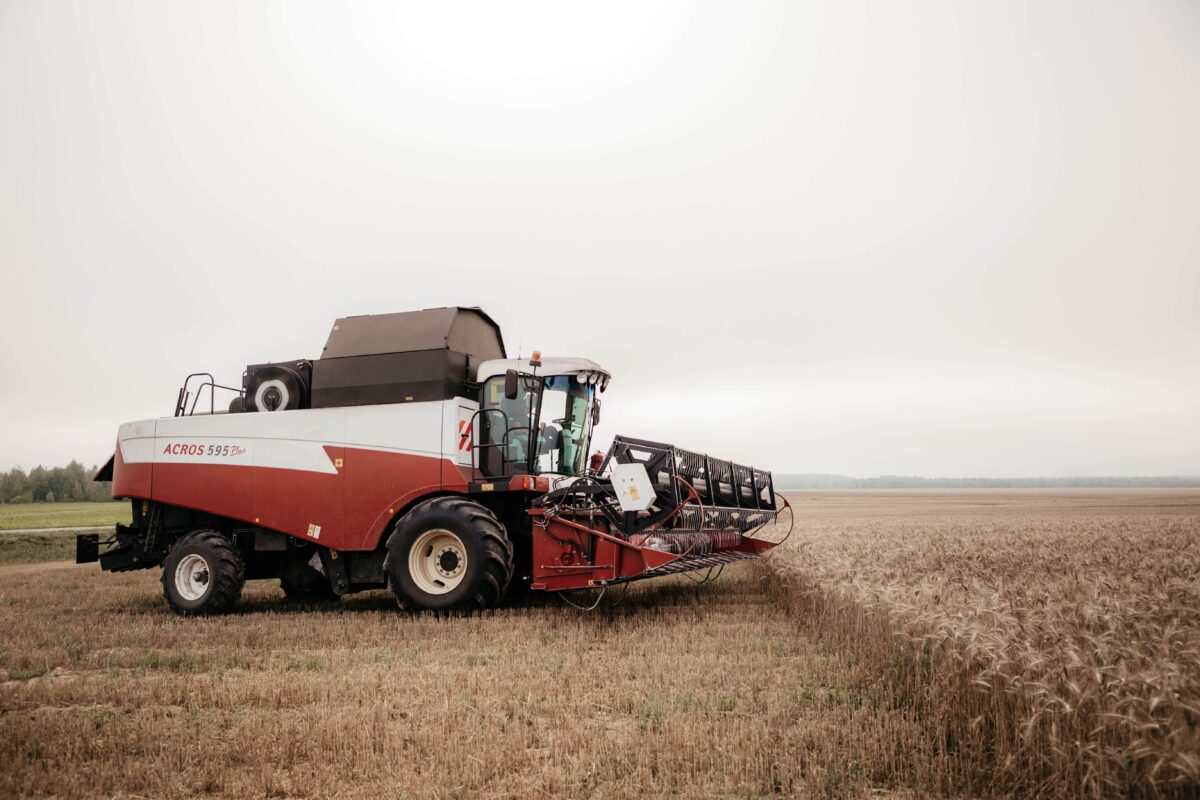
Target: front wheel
(203, 574)
(448, 554)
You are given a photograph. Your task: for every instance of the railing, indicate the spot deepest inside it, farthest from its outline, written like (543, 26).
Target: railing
(182, 409)
(477, 461)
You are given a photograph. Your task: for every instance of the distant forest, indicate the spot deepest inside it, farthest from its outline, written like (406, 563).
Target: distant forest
(820, 481)
(69, 484)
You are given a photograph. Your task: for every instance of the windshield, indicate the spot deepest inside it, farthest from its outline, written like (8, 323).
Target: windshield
(564, 425)
(561, 428)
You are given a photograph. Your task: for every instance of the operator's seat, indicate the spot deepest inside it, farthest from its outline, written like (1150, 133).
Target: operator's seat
(518, 445)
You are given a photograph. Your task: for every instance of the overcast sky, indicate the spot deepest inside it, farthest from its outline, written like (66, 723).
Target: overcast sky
(935, 238)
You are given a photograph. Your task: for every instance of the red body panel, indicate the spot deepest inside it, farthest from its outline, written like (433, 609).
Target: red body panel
(379, 484)
(352, 508)
(131, 480)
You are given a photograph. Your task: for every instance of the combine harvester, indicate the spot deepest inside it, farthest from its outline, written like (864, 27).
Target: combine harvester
(414, 455)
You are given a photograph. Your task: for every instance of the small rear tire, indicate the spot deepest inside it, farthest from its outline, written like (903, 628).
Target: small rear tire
(203, 574)
(448, 554)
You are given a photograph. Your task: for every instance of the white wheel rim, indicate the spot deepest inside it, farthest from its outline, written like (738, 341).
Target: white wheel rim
(192, 577)
(437, 561)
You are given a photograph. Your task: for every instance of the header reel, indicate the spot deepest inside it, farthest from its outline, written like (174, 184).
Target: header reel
(652, 509)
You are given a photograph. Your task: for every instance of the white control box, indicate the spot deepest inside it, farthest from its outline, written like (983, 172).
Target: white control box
(634, 490)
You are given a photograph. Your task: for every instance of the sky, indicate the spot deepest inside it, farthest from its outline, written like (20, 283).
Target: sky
(930, 238)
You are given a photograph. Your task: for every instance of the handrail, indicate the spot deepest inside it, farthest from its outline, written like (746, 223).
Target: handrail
(181, 400)
(184, 394)
(212, 392)
(503, 443)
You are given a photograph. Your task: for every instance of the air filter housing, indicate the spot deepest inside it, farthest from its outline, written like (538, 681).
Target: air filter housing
(276, 387)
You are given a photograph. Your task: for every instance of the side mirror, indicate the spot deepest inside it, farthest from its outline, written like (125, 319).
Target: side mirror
(510, 384)
(596, 412)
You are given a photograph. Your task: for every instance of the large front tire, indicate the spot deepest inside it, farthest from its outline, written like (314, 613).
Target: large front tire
(448, 554)
(203, 574)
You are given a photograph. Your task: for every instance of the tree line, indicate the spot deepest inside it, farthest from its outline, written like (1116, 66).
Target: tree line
(72, 483)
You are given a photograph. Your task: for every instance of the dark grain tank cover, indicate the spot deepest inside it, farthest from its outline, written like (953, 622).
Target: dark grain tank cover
(411, 356)
(464, 330)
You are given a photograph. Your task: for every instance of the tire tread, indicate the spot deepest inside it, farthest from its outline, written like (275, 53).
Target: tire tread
(227, 583)
(498, 567)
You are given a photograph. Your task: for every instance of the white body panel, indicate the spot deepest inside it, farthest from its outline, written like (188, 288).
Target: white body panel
(296, 439)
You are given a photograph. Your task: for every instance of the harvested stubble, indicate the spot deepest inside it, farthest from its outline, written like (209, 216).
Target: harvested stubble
(680, 691)
(1051, 641)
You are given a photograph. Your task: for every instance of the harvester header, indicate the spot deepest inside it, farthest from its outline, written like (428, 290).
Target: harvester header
(414, 455)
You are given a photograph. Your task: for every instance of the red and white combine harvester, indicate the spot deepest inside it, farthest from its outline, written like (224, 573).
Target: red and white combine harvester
(414, 455)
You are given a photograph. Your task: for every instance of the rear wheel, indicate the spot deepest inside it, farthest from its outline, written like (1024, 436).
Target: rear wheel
(203, 574)
(448, 554)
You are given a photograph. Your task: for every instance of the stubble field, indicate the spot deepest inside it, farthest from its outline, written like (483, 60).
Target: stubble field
(900, 643)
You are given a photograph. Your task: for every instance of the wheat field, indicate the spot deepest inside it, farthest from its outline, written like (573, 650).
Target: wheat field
(899, 644)
(1052, 638)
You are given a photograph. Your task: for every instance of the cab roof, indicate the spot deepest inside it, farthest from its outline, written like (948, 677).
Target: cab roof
(585, 367)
